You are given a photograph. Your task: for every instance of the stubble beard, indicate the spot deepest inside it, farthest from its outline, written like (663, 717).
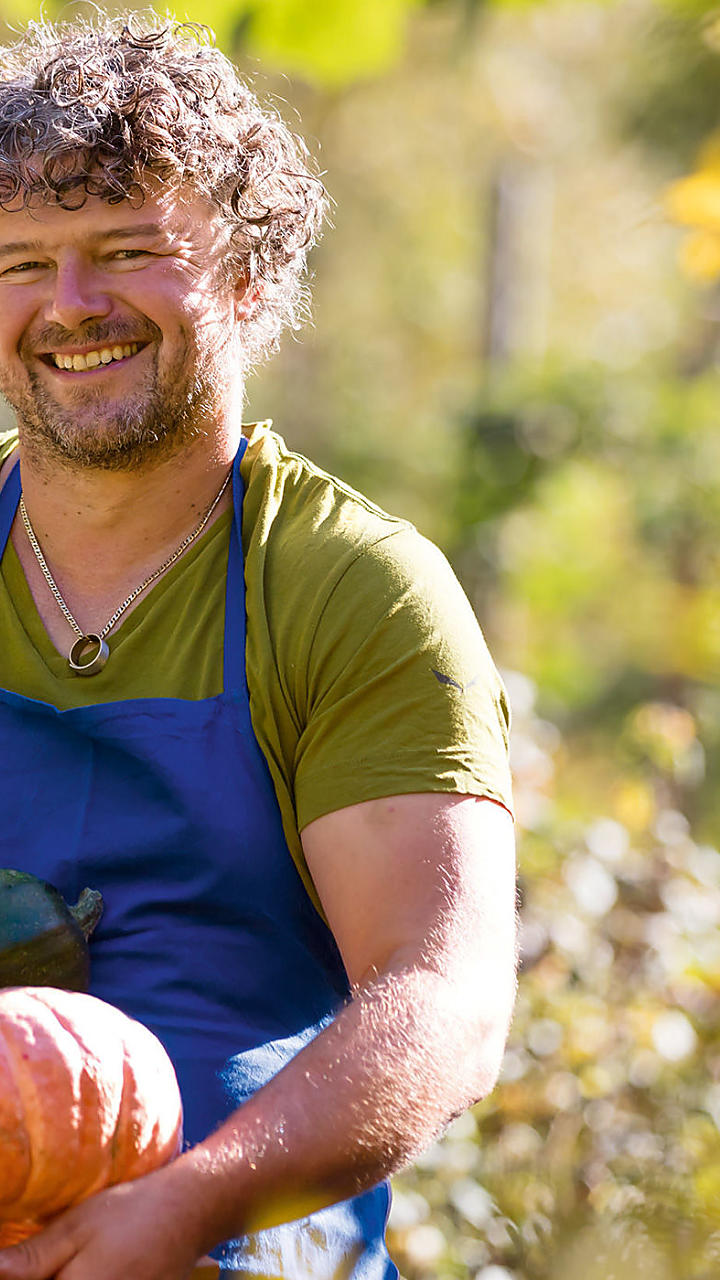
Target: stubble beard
(159, 419)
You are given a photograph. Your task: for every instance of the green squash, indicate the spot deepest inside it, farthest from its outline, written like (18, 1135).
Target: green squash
(43, 941)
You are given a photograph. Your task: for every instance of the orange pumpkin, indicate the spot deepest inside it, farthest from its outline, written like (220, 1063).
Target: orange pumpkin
(88, 1098)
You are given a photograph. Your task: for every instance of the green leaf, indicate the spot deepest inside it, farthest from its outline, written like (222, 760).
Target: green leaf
(331, 42)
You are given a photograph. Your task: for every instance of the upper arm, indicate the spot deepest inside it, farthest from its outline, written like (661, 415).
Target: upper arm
(420, 880)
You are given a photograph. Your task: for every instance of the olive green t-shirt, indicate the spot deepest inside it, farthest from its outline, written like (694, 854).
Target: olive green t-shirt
(367, 671)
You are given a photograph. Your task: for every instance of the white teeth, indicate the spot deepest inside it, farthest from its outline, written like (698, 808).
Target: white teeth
(92, 359)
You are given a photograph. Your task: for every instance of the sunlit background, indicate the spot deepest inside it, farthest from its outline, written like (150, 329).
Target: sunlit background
(515, 345)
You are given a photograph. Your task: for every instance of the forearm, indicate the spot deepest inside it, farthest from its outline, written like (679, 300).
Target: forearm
(372, 1090)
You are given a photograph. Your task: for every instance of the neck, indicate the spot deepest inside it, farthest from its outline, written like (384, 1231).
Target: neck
(102, 533)
(127, 510)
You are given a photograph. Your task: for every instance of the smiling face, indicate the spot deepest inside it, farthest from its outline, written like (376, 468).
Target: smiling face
(119, 336)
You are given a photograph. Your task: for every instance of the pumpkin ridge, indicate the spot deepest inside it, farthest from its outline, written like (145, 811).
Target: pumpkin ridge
(11, 1132)
(70, 1186)
(51, 1153)
(94, 1140)
(140, 1134)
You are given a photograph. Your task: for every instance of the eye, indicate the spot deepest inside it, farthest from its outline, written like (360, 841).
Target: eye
(22, 268)
(128, 255)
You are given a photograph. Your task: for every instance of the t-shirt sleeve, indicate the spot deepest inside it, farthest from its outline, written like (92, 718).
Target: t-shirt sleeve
(402, 693)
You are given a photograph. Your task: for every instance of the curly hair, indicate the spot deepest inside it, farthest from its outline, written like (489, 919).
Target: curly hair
(93, 108)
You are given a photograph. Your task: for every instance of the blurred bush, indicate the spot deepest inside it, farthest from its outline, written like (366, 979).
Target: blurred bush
(595, 497)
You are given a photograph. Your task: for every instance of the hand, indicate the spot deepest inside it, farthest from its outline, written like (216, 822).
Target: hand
(133, 1230)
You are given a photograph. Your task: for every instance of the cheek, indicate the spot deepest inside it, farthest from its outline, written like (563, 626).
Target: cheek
(204, 309)
(172, 314)
(206, 327)
(14, 323)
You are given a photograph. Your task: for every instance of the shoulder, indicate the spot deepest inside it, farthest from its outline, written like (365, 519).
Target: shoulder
(301, 507)
(304, 530)
(336, 584)
(8, 441)
(316, 541)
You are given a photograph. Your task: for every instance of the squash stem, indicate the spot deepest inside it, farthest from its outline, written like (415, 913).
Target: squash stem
(88, 910)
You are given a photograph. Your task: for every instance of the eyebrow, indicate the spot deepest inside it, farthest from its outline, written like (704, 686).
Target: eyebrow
(142, 229)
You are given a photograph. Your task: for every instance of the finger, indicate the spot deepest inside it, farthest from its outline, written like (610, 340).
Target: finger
(38, 1258)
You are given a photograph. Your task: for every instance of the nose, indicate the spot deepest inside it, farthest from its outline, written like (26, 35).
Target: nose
(77, 294)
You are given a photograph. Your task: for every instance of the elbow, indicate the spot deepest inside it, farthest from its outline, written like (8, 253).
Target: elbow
(484, 1064)
(486, 1046)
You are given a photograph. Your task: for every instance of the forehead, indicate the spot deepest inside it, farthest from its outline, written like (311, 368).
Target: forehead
(179, 218)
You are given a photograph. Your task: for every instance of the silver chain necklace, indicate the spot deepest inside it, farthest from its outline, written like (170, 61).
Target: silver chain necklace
(90, 651)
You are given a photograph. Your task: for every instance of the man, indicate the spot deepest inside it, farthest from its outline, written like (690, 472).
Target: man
(247, 705)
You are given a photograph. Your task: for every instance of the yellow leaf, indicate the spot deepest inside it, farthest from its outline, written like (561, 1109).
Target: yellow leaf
(695, 201)
(700, 256)
(709, 153)
(634, 804)
(707, 1188)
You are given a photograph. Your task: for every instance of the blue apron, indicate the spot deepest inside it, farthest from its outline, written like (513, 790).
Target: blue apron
(208, 935)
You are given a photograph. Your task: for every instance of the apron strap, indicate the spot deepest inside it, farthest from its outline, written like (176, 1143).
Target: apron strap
(234, 677)
(9, 498)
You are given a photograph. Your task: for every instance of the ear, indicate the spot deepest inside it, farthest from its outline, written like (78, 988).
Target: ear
(247, 299)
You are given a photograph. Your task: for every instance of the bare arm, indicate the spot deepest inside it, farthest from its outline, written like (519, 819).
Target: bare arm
(419, 893)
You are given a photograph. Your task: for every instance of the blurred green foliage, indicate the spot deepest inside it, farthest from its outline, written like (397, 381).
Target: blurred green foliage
(331, 41)
(673, 99)
(599, 1152)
